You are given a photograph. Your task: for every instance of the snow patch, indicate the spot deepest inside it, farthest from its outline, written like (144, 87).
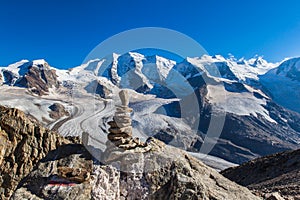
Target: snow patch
(244, 104)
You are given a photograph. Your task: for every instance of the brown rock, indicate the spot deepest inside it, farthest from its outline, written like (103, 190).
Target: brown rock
(122, 115)
(127, 130)
(122, 120)
(123, 109)
(63, 173)
(120, 128)
(73, 174)
(162, 172)
(129, 145)
(113, 137)
(270, 174)
(39, 79)
(23, 142)
(57, 111)
(114, 124)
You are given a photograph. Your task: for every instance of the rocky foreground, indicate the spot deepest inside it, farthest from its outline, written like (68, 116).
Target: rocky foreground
(23, 143)
(278, 173)
(36, 163)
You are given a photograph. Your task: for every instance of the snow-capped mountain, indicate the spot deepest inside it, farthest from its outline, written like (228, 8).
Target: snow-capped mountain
(242, 70)
(254, 124)
(136, 71)
(283, 83)
(36, 75)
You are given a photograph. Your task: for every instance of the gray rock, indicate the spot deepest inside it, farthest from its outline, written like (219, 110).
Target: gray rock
(162, 172)
(123, 94)
(120, 131)
(266, 175)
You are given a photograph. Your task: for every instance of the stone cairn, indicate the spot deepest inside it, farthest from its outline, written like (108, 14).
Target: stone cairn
(120, 131)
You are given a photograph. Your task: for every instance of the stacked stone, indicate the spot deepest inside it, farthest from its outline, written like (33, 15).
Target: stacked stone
(120, 131)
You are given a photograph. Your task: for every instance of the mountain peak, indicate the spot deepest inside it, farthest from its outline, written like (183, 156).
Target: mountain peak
(39, 62)
(290, 68)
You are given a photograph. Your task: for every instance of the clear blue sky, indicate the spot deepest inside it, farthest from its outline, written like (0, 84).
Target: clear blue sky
(65, 31)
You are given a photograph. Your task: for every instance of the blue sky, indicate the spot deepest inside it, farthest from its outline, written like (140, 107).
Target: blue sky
(64, 32)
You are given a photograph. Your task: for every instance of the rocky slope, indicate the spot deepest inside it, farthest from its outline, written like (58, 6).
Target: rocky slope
(38, 164)
(244, 135)
(70, 173)
(275, 173)
(23, 142)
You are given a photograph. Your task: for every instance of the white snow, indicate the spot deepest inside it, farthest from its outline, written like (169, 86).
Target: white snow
(244, 104)
(39, 62)
(284, 90)
(283, 83)
(242, 69)
(16, 97)
(213, 161)
(14, 68)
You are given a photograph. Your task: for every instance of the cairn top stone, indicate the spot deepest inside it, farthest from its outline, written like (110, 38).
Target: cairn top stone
(123, 94)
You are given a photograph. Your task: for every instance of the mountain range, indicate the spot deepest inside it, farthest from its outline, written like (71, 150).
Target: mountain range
(173, 102)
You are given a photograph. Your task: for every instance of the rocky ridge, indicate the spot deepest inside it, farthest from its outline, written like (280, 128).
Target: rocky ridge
(23, 142)
(37, 76)
(277, 173)
(181, 177)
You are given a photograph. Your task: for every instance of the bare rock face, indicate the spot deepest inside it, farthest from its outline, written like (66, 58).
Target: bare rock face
(39, 79)
(65, 173)
(120, 131)
(99, 88)
(23, 143)
(57, 111)
(9, 78)
(271, 176)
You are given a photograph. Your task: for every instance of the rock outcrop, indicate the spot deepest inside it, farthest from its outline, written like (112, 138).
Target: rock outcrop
(39, 79)
(57, 111)
(65, 173)
(23, 142)
(36, 75)
(267, 175)
(163, 172)
(99, 88)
